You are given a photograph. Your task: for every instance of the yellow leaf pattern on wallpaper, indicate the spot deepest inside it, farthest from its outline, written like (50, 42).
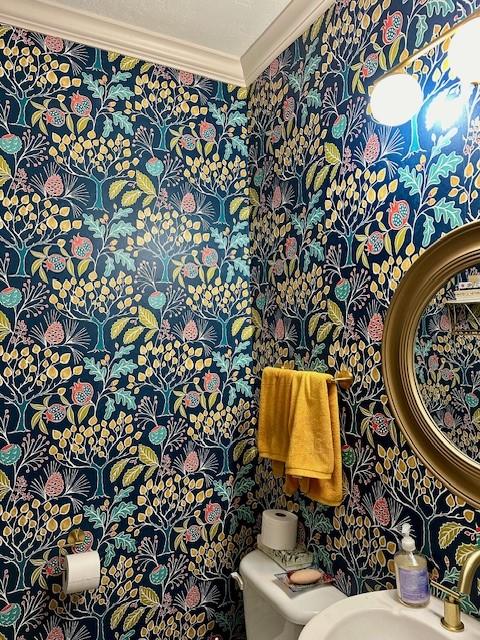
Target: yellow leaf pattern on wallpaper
(123, 335)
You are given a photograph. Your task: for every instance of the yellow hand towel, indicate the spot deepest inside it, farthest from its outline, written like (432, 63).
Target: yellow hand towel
(299, 430)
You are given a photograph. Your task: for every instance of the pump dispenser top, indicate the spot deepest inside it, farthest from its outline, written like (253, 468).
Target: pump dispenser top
(408, 543)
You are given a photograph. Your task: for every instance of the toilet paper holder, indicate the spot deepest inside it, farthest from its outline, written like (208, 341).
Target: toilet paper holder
(76, 536)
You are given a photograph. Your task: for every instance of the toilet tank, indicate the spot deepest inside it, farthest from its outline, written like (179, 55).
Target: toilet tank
(270, 612)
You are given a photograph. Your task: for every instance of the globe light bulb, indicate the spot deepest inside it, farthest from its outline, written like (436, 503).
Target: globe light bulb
(464, 52)
(448, 107)
(396, 99)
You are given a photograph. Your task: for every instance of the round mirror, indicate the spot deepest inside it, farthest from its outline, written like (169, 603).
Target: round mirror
(447, 361)
(431, 359)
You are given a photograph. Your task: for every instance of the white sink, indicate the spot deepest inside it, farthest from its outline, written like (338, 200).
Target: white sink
(380, 616)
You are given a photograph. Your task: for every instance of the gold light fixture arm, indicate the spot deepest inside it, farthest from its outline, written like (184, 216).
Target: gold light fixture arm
(401, 66)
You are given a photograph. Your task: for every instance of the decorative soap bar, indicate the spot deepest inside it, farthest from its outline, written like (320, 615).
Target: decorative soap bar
(303, 579)
(305, 576)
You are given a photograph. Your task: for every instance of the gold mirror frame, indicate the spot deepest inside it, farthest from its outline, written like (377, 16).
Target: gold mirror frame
(456, 251)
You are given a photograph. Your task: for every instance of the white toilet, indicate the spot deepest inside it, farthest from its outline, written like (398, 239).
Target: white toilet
(271, 613)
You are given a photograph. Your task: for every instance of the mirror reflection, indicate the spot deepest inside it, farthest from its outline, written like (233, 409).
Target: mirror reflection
(447, 361)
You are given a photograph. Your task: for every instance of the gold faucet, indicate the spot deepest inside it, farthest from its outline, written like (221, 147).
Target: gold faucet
(470, 566)
(452, 615)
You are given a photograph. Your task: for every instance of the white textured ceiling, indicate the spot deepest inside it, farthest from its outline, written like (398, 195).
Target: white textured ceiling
(229, 26)
(228, 40)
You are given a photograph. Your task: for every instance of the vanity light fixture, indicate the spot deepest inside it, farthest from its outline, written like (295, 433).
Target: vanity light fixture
(397, 96)
(464, 51)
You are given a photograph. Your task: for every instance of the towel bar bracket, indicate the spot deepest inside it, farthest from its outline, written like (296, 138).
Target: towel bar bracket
(343, 378)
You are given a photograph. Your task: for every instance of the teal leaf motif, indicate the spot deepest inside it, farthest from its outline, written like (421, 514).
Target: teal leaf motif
(239, 239)
(294, 80)
(316, 250)
(124, 397)
(95, 516)
(237, 104)
(312, 65)
(448, 212)
(218, 115)
(221, 361)
(94, 226)
(242, 346)
(123, 493)
(224, 491)
(122, 510)
(109, 408)
(119, 92)
(243, 486)
(98, 372)
(122, 121)
(315, 216)
(109, 266)
(443, 140)
(122, 212)
(122, 368)
(296, 223)
(219, 238)
(124, 351)
(439, 7)
(236, 119)
(94, 86)
(245, 513)
(121, 76)
(421, 30)
(428, 230)
(240, 145)
(125, 541)
(323, 559)
(109, 554)
(124, 259)
(121, 229)
(238, 265)
(241, 360)
(245, 388)
(304, 114)
(107, 127)
(411, 179)
(445, 165)
(232, 395)
(314, 98)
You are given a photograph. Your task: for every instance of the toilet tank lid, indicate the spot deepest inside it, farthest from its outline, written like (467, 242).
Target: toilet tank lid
(258, 570)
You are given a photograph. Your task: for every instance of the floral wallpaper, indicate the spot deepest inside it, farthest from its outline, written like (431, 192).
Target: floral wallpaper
(125, 343)
(341, 206)
(129, 301)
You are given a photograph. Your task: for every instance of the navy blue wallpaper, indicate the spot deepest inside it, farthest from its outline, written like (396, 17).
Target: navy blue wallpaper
(124, 343)
(341, 206)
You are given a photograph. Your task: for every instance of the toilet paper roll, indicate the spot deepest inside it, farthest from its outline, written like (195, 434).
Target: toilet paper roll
(279, 529)
(82, 572)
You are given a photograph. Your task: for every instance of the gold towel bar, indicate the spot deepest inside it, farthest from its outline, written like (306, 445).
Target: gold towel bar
(343, 378)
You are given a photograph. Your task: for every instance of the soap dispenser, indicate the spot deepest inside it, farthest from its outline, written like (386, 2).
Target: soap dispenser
(411, 573)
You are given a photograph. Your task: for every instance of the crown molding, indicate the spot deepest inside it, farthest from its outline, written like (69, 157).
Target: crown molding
(46, 16)
(111, 35)
(294, 20)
